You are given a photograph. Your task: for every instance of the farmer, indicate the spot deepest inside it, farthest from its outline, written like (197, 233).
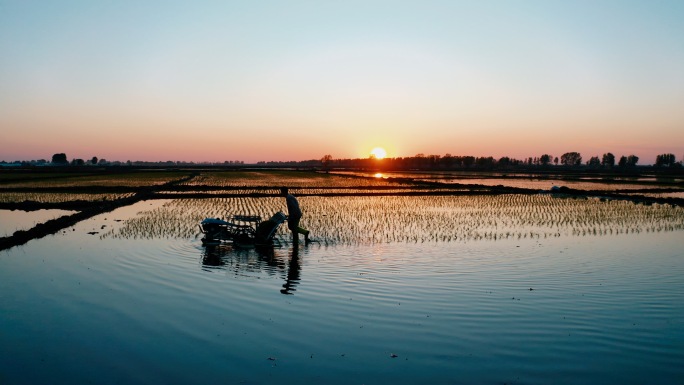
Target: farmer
(294, 214)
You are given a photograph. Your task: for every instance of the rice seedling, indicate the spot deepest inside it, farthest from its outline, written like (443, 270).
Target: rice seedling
(8, 197)
(369, 220)
(546, 184)
(132, 179)
(674, 194)
(302, 191)
(276, 179)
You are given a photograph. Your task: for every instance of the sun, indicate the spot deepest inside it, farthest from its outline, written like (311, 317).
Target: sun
(378, 153)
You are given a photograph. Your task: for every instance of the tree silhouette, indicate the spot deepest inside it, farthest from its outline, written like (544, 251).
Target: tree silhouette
(468, 161)
(60, 158)
(571, 159)
(632, 160)
(326, 159)
(608, 160)
(665, 160)
(628, 161)
(594, 161)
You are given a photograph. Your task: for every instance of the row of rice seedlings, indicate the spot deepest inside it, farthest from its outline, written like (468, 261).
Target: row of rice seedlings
(6, 197)
(180, 218)
(677, 194)
(237, 191)
(291, 179)
(140, 179)
(316, 191)
(255, 178)
(369, 220)
(545, 184)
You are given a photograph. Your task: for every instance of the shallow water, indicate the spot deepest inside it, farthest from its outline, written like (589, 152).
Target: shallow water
(547, 184)
(531, 181)
(13, 220)
(78, 308)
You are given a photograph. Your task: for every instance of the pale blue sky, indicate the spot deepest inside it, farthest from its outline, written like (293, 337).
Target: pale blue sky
(281, 80)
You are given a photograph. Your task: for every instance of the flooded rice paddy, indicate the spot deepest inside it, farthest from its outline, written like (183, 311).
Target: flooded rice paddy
(13, 220)
(510, 289)
(544, 183)
(410, 219)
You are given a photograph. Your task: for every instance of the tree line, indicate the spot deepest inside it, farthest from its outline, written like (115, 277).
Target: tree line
(417, 162)
(61, 160)
(448, 161)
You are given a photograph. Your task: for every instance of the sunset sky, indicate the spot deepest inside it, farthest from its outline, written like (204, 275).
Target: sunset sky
(295, 80)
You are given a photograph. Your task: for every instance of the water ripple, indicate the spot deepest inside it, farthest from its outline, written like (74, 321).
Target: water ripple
(514, 311)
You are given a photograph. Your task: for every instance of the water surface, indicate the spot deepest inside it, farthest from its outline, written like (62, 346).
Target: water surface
(78, 308)
(13, 220)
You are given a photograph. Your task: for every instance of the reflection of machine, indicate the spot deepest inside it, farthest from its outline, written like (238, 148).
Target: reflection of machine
(242, 230)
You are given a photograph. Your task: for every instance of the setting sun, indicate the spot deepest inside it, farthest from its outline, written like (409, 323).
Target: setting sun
(378, 153)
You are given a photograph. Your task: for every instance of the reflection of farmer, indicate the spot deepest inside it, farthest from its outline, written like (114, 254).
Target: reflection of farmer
(293, 271)
(294, 214)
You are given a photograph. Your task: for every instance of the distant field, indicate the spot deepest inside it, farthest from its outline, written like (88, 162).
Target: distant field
(132, 179)
(94, 186)
(291, 179)
(64, 187)
(57, 197)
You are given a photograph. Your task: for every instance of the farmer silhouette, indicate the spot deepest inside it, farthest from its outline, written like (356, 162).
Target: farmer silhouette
(294, 214)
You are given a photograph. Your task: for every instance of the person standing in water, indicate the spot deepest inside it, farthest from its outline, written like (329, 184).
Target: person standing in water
(294, 214)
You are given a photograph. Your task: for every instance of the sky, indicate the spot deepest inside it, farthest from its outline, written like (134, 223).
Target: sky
(296, 80)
